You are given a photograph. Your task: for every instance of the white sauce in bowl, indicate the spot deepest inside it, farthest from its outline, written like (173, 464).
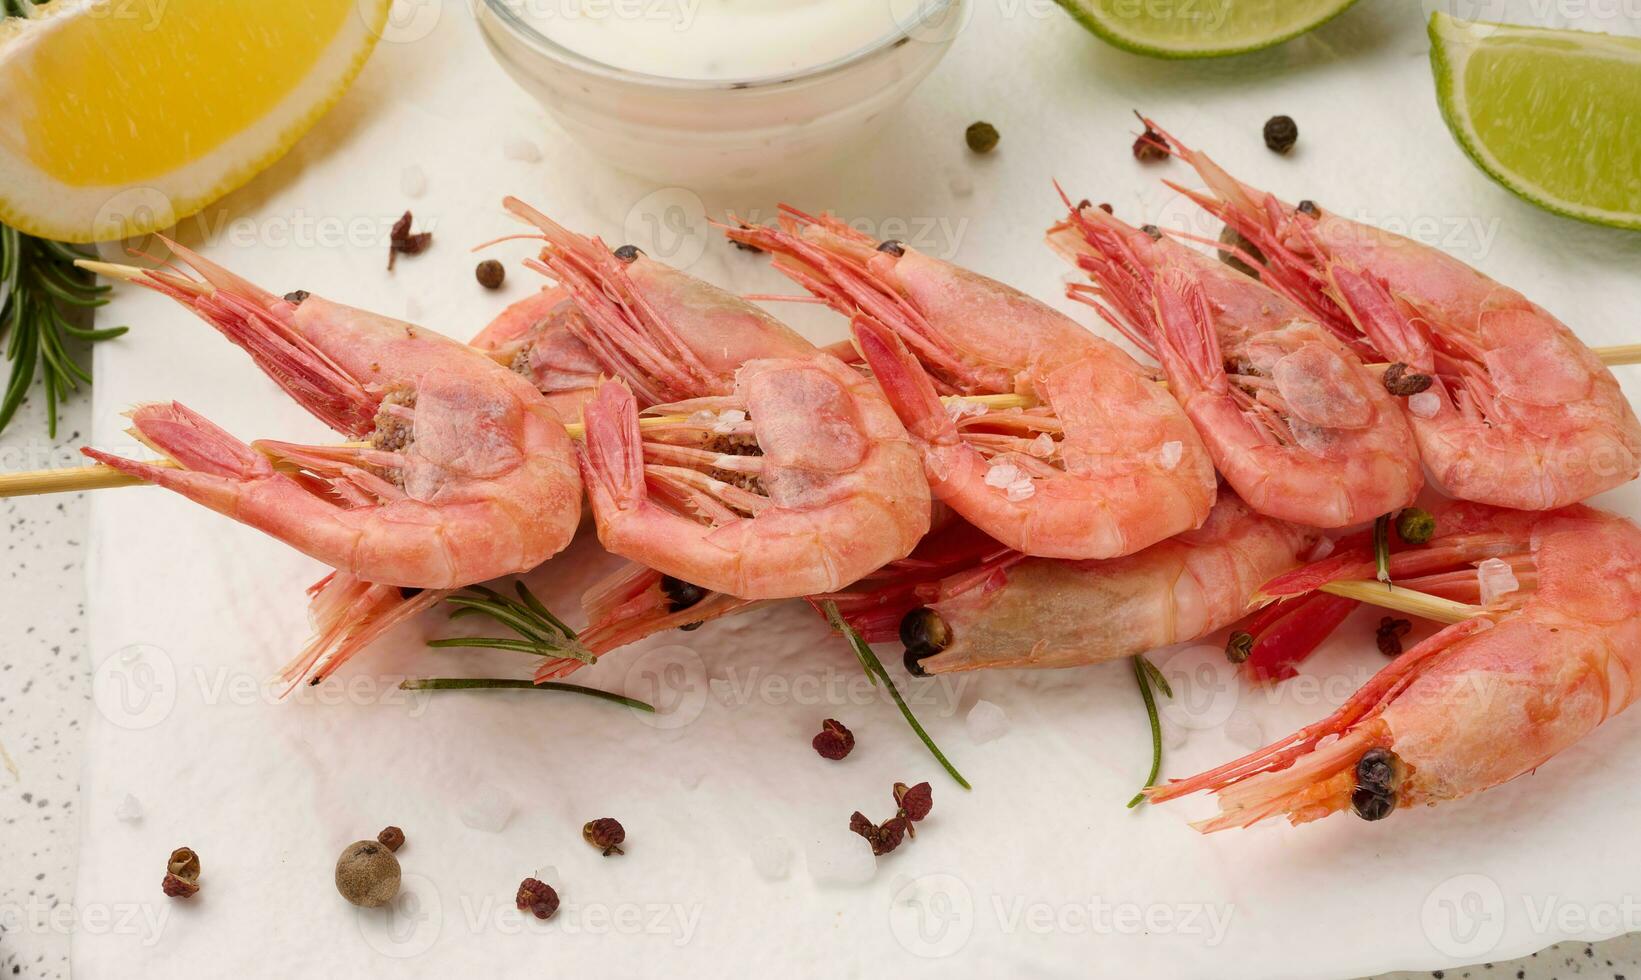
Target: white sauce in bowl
(715, 39)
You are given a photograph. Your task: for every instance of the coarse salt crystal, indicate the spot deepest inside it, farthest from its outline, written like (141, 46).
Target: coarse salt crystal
(413, 181)
(1497, 579)
(1171, 454)
(1043, 446)
(1321, 549)
(488, 808)
(986, 721)
(1425, 404)
(521, 150)
(958, 181)
(129, 810)
(1243, 729)
(959, 407)
(1020, 489)
(728, 421)
(1002, 474)
(772, 857)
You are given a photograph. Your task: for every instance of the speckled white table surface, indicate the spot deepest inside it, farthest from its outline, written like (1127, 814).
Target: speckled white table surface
(45, 694)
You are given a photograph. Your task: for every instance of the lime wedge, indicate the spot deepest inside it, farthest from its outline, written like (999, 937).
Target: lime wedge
(1549, 114)
(1200, 28)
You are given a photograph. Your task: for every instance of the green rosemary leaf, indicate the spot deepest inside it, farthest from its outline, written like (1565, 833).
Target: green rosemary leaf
(535, 606)
(517, 646)
(510, 684)
(1143, 669)
(38, 283)
(874, 666)
(503, 614)
(1381, 546)
(1157, 679)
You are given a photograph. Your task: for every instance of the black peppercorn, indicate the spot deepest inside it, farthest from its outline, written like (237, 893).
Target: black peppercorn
(1281, 132)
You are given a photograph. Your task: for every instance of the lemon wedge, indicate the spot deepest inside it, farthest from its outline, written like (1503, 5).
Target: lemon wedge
(122, 117)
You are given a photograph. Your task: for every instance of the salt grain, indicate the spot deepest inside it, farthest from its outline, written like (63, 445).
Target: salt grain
(1425, 404)
(772, 857)
(413, 181)
(1497, 580)
(728, 421)
(1002, 474)
(1171, 454)
(1043, 446)
(843, 858)
(958, 181)
(986, 721)
(1021, 489)
(488, 808)
(129, 810)
(959, 407)
(521, 150)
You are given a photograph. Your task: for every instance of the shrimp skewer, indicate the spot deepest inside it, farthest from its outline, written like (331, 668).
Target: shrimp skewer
(789, 475)
(1480, 702)
(468, 475)
(1105, 465)
(1519, 412)
(1297, 426)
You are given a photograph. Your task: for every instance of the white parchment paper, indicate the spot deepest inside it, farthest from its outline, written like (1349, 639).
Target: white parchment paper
(1040, 870)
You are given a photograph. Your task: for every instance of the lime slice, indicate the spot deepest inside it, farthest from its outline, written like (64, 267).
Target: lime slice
(1200, 28)
(1549, 114)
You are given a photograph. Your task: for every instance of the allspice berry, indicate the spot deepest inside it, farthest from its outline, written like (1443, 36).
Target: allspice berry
(490, 274)
(367, 874)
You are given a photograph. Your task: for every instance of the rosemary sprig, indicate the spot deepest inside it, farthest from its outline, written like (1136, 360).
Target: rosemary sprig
(539, 632)
(875, 672)
(1147, 674)
(493, 683)
(38, 283)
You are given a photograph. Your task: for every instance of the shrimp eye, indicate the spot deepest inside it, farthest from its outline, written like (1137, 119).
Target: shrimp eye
(691, 627)
(681, 594)
(893, 247)
(1309, 207)
(297, 296)
(628, 253)
(924, 634)
(406, 592)
(1378, 778)
(1153, 231)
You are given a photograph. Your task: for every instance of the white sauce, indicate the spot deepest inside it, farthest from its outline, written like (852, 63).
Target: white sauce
(714, 39)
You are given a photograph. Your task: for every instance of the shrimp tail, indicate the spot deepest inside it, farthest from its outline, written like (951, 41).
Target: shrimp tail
(348, 614)
(1299, 775)
(904, 383)
(213, 462)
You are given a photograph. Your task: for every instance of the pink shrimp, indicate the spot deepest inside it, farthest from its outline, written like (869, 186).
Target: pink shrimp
(790, 475)
(1105, 465)
(469, 474)
(538, 338)
(1295, 423)
(1008, 610)
(1480, 702)
(1519, 412)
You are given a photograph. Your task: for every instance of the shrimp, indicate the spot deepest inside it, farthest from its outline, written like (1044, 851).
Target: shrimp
(1480, 702)
(1009, 610)
(791, 475)
(469, 474)
(1294, 422)
(1105, 465)
(538, 338)
(1519, 412)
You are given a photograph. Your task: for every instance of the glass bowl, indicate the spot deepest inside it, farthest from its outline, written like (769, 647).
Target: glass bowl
(721, 132)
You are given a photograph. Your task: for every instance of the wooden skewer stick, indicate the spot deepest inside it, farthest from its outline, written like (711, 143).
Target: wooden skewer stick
(72, 479)
(1409, 601)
